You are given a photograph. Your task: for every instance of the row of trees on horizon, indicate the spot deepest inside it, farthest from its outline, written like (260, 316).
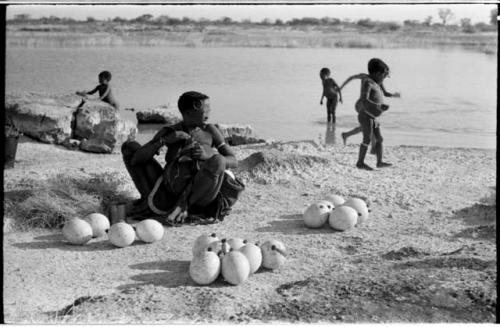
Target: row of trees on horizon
(445, 16)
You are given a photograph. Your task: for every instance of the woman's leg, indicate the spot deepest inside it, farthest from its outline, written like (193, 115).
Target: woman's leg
(145, 175)
(207, 182)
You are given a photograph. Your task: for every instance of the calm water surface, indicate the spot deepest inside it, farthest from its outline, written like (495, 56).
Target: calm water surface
(448, 96)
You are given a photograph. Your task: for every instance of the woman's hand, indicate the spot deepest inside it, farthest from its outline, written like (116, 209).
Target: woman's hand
(201, 152)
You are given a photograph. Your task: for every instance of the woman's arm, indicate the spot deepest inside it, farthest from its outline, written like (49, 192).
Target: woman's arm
(223, 148)
(147, 152)
(163, 137)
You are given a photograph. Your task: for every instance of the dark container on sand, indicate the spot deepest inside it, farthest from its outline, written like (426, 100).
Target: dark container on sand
(10, 150)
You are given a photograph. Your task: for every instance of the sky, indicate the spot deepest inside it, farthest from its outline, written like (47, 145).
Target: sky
(258, 12)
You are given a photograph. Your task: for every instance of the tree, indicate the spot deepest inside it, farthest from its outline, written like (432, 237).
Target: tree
(226, 21)
(445, 14)
(90, 19)
(143, 18)
(366, 22)
(428, 21)
(466, 25)
(493, 16)
(410, 23)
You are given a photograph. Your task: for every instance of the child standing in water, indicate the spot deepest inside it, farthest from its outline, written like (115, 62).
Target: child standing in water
(332, 93)
(362, 76)
(104, 89)
(370, 105)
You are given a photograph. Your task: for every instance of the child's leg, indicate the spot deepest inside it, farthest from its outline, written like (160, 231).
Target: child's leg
(353, 131)
(329, 109)
(374, 144)
(367, 127)
(379, 148)
(333, 107)
(145, 175)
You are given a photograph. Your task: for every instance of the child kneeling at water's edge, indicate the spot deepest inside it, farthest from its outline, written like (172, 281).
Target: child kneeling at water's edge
(104, 90)
(195, 183)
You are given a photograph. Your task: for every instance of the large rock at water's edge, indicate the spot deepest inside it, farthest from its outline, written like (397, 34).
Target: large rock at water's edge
(101, 128)
(236, 134)
(47, 119)
(159, 115)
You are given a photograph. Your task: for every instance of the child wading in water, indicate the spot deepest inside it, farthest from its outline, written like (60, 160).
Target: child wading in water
(369, 106)
(104, 89)
(362, 76)
(332, 93)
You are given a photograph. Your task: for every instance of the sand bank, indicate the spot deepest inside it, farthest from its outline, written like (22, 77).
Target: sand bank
(427, 253)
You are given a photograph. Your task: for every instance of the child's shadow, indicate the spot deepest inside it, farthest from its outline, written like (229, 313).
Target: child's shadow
(294, 224)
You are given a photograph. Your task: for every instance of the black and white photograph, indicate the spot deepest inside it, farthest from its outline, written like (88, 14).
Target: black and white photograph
(224, 162)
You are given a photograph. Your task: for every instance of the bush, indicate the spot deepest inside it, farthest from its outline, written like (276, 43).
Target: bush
(366, 22)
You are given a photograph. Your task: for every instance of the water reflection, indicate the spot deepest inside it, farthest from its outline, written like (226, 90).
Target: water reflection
(330, 134)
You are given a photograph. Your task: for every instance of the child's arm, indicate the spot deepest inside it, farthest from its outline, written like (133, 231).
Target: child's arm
(353, 77)
(322, 96)
(337, 88)
(388, 94)
(85, 93)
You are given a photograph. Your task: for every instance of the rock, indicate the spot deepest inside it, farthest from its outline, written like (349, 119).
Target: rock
(71, 144)
(159, 115)
(47, 119)
(236, 134)
(101, 128)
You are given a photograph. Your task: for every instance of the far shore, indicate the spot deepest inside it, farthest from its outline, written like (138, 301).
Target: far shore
(230, 36)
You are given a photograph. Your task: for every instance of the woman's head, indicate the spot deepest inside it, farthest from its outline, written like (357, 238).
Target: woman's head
(194, 107)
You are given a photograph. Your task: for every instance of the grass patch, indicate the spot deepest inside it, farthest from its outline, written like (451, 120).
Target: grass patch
(51, 203)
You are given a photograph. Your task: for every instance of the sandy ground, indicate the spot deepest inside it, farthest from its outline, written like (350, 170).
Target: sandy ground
(426, 254)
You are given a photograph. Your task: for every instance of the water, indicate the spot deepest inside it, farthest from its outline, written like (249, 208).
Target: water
(448, 96)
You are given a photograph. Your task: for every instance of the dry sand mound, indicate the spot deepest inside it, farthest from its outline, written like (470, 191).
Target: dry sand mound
(274, 162)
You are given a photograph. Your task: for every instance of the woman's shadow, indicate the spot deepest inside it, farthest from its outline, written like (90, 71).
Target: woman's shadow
(57, 241)
(173, 273)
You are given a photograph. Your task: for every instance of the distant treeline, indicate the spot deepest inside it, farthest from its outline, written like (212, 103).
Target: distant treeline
(149, 22)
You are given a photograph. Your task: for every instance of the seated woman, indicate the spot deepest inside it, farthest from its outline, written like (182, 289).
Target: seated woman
(194, 182)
